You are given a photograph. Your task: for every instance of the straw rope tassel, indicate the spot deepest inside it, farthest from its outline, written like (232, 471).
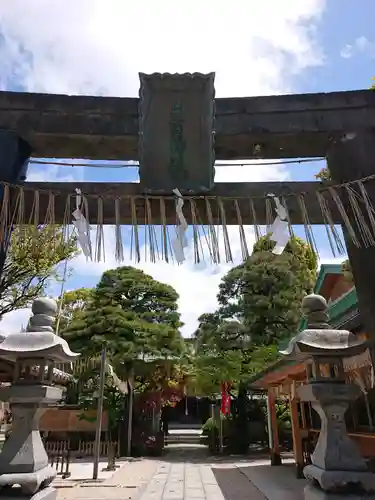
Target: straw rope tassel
(285, 205)
(152, 240)
(34, 220)
(206, 236)
(119, 251)
(369, 207)
(364, 230)
(306, 223)
(269, 215)
(85, 206)
(99, 245)
(344, 216)
(164, 231)
(20, 219)
(227, 249)
(196, 236)
(135, 233)
(66, 220)
(4, 214)
(20, 216)
(49, 219)
(331, 230)
(350, 200)
(212, 235)
(255, 222)
(13, 218)
(243, 242)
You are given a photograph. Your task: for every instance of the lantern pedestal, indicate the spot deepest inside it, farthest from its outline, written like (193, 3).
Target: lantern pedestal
(338, 470)
(311, 492)
(337, 467)
(23, 459)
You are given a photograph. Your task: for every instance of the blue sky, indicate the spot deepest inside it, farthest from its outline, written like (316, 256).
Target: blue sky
(271, 47)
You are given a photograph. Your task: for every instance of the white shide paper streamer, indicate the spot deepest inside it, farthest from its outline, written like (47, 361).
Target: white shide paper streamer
(180, 242)
(279, 229)
(82, 227)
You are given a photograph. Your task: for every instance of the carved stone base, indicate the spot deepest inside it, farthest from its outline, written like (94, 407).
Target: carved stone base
(333, 480)
(312, 492)
(29, 482)
(14, 493)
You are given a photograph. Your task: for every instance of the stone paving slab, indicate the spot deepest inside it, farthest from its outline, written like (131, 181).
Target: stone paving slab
(183, 476)
(124, 484)
(234, 485)
(276, 483)
(81, 471)
(199, 481)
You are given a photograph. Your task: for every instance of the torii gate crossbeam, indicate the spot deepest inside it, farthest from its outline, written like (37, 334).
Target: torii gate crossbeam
(106, 128)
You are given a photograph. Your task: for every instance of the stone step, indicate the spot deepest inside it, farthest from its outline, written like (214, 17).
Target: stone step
(184, 438)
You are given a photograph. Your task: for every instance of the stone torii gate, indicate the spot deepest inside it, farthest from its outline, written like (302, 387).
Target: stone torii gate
(176, 130)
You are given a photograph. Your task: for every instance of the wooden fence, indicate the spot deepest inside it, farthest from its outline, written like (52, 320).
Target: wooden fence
(85, 448)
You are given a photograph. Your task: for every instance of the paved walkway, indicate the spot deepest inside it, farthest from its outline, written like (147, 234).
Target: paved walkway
(188, 474)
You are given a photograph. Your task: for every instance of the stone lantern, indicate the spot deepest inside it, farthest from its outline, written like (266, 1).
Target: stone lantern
(23, 459)
(337, 469)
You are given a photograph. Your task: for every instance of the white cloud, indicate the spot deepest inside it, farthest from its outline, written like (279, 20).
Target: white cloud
(99, 46)
(54, 173)
(361, 45)
(14, 321)
(251, 173)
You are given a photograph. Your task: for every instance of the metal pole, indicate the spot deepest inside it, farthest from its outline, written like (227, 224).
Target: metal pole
(99, 415)
(130, 417)
(221, 436)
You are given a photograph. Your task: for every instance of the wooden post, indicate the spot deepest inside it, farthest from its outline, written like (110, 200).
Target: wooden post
(349, 158)
(273, 433)
(303, 415)
(297, 438)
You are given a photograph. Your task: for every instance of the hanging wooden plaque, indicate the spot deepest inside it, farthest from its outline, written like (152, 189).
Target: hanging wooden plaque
(176, 135)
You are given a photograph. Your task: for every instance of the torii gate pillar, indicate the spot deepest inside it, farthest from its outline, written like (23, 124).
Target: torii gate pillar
(14, 156)
(352, 157)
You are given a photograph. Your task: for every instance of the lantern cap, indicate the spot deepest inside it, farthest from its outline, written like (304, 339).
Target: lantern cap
(39, 340)
(319, 338)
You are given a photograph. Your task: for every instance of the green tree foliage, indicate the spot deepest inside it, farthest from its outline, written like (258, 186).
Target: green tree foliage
(266, 290)
(259, 305)
(72, 303)
(131, 314)
(32, 262)
(226, 353)
(219, 352)
(305, 260)
(113, 400)
(346, 269)
(323, 175)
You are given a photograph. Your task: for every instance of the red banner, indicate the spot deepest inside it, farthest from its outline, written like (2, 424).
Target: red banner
(225, 398)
